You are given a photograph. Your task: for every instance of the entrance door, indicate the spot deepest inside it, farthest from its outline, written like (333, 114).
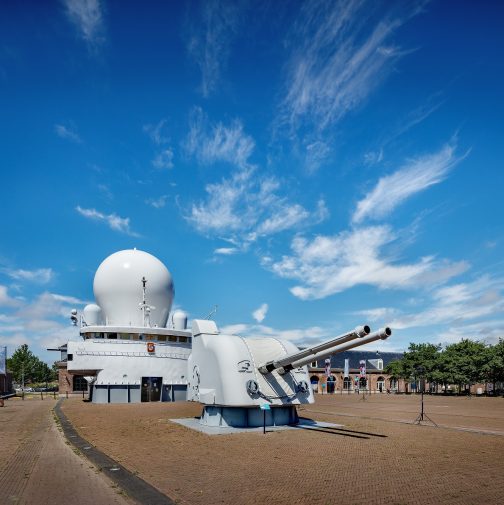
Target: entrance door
(151, 389)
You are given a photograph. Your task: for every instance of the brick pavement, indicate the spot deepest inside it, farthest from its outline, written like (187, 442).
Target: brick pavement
(37, 467)
(371, 460)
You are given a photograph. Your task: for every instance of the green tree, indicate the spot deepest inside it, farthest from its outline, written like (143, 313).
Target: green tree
(397, 370)
(464, 363)
(26, 367)
(494, 367)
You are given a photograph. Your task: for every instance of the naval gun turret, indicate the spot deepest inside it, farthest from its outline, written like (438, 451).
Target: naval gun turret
(233, 377)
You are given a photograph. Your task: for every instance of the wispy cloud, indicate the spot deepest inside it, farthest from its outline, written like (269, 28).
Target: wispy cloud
(341, 53)
(226, 251)
(68, 132)
(331, 264)
(157, 203)
(6, 300)
(163, 160)
(115, 222)
(215, 25)
(297, 335)
(211, 143)
(39, 275)
(247, 207)
(41, 322)
(260, 313)
(87, 16)
(413, 177)
(156, 132)
(458, 303)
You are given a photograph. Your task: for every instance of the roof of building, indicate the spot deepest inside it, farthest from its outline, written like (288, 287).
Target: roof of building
(338, 360)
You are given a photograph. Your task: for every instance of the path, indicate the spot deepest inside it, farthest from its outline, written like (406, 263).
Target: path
(37, 467)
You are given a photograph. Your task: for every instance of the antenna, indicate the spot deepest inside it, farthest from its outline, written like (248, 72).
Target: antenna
(212, 312)
(144, 306)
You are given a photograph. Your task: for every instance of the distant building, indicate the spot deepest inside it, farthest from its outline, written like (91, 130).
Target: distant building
(375, 380)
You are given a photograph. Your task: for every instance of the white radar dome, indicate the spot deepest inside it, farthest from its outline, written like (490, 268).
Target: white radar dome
(92, 315)
(118, 289)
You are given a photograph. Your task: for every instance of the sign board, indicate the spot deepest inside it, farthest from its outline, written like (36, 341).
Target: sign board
(328, 367)
(265, 406)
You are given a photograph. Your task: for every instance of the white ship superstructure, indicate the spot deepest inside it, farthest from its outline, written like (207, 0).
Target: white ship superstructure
(131, 350)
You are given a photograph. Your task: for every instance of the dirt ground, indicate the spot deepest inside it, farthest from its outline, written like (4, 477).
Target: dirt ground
(377, 458)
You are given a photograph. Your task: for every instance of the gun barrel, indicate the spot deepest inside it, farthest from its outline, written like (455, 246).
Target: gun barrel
(358, 333)
(381, 334)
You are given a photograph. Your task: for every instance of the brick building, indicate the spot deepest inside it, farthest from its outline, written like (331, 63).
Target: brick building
(376, 380)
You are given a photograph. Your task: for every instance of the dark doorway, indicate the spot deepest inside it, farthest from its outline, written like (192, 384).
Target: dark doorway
(151, 389)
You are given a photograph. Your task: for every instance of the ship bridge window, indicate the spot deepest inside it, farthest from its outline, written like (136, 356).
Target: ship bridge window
(135, 336)
(150, 337)
(172, 338)
(69, 357)
(124, 336)
(112, 335)
(182, 339)
(161, 338)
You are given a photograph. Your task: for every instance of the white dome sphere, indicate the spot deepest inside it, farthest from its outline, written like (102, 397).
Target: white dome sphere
(92, 315)
(118, 288)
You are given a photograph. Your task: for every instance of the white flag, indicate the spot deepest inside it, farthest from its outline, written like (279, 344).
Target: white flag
(3, 358)
(347, 368)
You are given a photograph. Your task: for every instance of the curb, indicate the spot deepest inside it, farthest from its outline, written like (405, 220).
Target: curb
(133, 486)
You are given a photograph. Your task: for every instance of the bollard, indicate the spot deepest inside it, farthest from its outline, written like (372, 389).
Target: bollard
(41, 395)
(54, 395)
(67, 395)
(83, 395)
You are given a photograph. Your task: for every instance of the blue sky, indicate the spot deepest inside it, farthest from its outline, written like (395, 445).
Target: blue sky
(306, 166)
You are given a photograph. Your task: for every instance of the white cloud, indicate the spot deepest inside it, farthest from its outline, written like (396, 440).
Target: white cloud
(115, 222)
(414, 176)
(226, 251)
(67, 132)
(373, 157)
(458, 303)
(157, 203)
(341, 54)
(87, 16)
(260, 313)
(6, 300)
(155, 132)
(316, 154)
(249, 207)
(297, 335)
(211, 143)
(163, 160)
(377, 314)
(217, 22)
(39, 275)
(331, 264)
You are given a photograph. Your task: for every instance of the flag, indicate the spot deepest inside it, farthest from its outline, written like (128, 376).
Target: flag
(328, 367)
(362, 367)
(3, 358)
(347, 368)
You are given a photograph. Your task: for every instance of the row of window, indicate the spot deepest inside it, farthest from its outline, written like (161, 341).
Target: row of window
(138, 336)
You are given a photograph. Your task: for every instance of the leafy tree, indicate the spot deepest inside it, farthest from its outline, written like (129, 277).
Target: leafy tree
(397, 370)
(494, 367)
(26, 367)
(464, 363)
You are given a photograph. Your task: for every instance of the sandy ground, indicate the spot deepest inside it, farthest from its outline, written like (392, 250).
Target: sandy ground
(376, 459)
(37, 467)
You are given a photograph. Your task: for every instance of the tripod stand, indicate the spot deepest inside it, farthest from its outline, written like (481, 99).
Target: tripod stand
(423, 417)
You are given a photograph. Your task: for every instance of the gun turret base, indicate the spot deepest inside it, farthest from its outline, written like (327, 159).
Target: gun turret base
(247, 417)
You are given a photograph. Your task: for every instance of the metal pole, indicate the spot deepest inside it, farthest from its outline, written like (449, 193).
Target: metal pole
(264, 422)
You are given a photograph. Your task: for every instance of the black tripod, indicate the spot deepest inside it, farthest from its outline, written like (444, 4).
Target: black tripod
(423, 417)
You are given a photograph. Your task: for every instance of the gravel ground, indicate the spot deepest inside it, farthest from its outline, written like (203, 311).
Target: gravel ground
(378, 458)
